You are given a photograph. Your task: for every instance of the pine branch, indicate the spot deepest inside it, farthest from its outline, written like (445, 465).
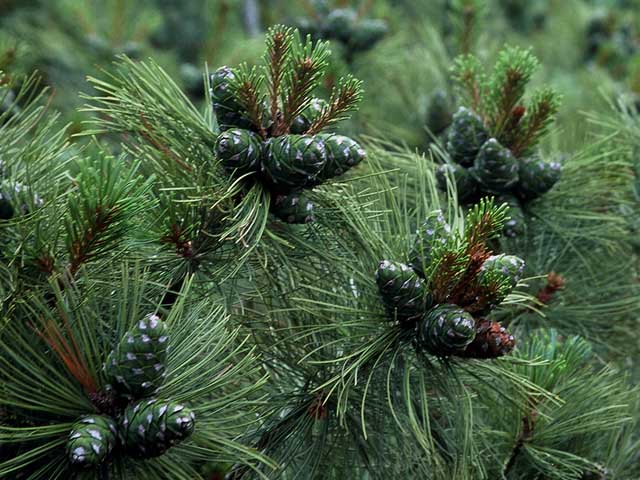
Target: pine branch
(528, 422)
(279, 41)
(304, 72)
(544, 106)
(467, 73)
(86, 245)
(344, 99)
(511, 74)
(246, 88)
(69, 353)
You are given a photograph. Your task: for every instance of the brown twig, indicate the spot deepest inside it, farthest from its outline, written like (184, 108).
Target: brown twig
(528, 423)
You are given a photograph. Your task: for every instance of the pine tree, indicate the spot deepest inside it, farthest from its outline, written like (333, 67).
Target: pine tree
(248, 292)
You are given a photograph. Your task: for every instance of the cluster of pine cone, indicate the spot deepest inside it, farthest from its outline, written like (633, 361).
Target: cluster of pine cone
(342, 24)
(481, 166)
(287, 164)
(444, 328)
(145, 427)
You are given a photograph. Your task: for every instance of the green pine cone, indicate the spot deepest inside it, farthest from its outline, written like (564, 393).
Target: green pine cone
(136, 367)
(302, 122)
(537, 177)
(227, 109)
(340, 22)
(294, 161)
(495, 167)
(466, 184)
(445, 330)
(433, 232)
(150, 427)
(342, 154)
(91, 440)
(466, 136)
(517, 223)
(439, 114)
(293, 208)
(509, 266)
(366, 33)
(239, 150)
(403, 293)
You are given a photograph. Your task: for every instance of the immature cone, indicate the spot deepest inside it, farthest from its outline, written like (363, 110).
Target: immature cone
(226, 107)
(466, 136)
(439, 114)
(403, 293)
(491, 341)
(537, 177)
(509, 266)
(339, 23)
(136, 367)
(433, 232)
(91, 440)
(366, 33)
(294, 161)
(465, 182)
(293, 208)
(239, 150)
(495, 167)
(446, 330)
(516, 225)
(498, 277)
(302, 122)
(342, 154)
(150, 427)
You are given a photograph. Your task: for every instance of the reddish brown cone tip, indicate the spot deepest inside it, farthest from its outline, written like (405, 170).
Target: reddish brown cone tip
(492, 341)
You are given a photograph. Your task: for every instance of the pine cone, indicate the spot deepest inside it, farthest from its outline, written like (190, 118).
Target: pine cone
(136, 367)
(446, 330)
(302, 122)
(239, 150)
(293, 208)
(342, 154)
(403, 293)
(439, 114)
(226, 107)
(491, 341)
(508, 266)
(433, 232)
(537, 177)
(495, 167)
(466, 184)
(466, 136)
(150, 427)
(294, 161)
(91, 440)
(339, 23)
(517, 223)
(498, 276)
(366, 33)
